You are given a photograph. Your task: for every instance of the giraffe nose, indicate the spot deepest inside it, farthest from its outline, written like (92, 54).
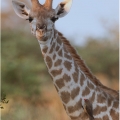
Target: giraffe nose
(41, 27)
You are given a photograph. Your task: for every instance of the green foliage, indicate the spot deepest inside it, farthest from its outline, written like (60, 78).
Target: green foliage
(23, 70)
(101, 57)
(3, 100)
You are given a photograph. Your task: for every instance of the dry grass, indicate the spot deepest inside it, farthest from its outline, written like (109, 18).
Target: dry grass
(46, 107)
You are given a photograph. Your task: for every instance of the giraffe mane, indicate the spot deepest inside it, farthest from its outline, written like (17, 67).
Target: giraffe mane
(84, 68)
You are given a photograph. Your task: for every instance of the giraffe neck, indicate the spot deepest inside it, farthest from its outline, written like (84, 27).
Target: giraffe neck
(72, 85)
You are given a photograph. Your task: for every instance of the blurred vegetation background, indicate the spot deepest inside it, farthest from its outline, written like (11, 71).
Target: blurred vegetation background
(24, 76)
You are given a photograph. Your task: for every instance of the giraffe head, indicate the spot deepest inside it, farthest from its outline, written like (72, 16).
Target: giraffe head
(42, 17)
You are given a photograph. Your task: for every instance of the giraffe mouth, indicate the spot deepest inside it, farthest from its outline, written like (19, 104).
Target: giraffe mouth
(44, 38)
(41, 37)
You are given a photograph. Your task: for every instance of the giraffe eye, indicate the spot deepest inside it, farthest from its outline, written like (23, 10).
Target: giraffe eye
(30, 19)
(54, 19)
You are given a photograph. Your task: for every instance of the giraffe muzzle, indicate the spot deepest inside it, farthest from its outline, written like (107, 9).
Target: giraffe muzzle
(41, 34)
(41, 31)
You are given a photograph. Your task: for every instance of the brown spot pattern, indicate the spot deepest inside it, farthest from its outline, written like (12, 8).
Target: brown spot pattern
(75, 92)
(60, 53)
(75, 76)
(45, 49)
(82, 79)
(60, 83)
(109, 102)
(116, 104)
(49, 62)
(52, 48)
(68, 65)
(114, 115)
(101, 98)
(66, 78)
(98, 89)
(57, 48)
(78, 60)
(99, 109)
(58, 62)
(103, 109)
(105, 94)
(65, 50)
(65, 96)
(54, 56)
(105, 117)
(86, 91)
(56, 72)
(59, 41)
(76, 67)
(90, 85)
(67, 56)
(93, 97)
(72, 109)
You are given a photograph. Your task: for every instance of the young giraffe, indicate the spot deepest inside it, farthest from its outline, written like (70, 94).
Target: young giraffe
(72, 79)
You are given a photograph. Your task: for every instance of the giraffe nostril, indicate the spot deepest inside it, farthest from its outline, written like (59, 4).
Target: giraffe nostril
(41, 26)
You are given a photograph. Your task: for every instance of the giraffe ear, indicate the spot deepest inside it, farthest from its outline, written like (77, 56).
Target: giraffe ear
(63, 8)
(21, 9)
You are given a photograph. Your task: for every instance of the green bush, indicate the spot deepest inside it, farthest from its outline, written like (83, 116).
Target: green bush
(101, 57)
(22, 64)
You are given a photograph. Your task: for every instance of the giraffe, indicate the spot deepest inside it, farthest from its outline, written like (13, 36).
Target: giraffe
(71, 77)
